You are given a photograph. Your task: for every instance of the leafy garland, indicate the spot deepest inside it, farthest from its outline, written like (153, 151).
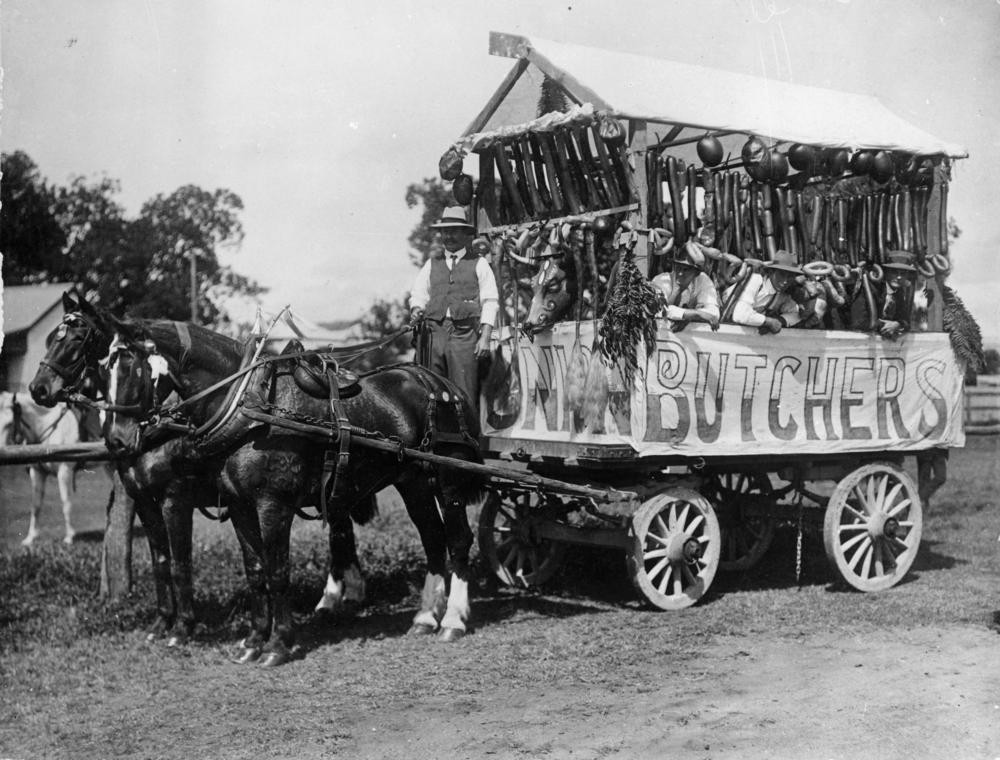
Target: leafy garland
(630, 317)
(963, 331)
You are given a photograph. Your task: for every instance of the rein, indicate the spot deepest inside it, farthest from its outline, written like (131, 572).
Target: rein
(350, 352)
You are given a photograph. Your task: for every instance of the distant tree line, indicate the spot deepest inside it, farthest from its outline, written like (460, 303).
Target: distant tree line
(79, 233)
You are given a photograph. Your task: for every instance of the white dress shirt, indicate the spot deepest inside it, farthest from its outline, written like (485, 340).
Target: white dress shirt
(489, 298)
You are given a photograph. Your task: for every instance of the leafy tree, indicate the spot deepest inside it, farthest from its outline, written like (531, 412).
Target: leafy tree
(80, 233)
(383, 318)
(31, 237)
(190, 222)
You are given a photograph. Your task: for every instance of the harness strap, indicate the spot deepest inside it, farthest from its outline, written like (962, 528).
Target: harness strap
(335, 465)
(344, 351)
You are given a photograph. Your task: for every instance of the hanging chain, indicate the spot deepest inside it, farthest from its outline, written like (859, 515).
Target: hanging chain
(798, 543)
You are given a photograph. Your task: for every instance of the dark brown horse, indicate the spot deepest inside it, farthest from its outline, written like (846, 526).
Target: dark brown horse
(267, 472)
(165, 488)
(164, 497)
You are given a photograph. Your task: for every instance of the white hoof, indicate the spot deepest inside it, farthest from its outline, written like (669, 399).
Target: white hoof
(29, 539)
(68, 539)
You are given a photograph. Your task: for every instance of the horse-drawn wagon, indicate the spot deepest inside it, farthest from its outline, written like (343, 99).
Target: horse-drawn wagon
(714, 434)
(681, 444)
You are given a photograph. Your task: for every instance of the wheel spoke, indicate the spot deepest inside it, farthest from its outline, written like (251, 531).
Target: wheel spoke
(682, 519)
(898, 544)
(859, 516)
(899, 507)
(870, 492)
(890, 498)
(866, 566)
(862, 551)
(658, 567)
(655, 553)
(661, 540)
(665, 580)
(695, 526)
(879, 501)
(851, 526)
(852, 542)
(509, 541)
(862, 499)
(664, 529)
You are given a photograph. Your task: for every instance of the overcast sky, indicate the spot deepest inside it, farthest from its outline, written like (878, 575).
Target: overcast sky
(318, 113)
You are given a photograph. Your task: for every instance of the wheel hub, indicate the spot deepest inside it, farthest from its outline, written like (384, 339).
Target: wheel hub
(692, 550)
(683, 548)
(891, 528)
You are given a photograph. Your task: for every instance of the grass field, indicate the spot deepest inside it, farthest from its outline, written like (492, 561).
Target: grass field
(70, 665)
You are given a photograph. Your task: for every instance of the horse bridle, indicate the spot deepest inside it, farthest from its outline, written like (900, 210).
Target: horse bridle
(76, 371)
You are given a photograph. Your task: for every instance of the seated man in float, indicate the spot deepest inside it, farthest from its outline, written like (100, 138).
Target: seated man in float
(896, 298)
(765, 300)
(688, 292)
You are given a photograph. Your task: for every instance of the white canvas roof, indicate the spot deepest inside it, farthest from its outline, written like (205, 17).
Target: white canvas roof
(658, 90)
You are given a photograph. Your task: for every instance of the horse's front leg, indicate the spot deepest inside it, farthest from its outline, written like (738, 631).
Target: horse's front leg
(345, 585)
(153, 525)
(276, 529)
(178, 505)
(64, 477)
(37, 477)
(459, 537)
(418, 497)
(247, 529)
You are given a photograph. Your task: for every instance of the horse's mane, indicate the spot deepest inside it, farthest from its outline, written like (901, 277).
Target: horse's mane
(164, 333)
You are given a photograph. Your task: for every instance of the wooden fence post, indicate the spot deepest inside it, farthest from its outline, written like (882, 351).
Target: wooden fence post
(116, 554)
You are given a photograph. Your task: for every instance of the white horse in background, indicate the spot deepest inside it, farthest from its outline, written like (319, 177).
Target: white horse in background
(22, 421)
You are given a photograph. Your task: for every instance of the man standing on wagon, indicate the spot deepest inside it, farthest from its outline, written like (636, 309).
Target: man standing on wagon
(456, 296)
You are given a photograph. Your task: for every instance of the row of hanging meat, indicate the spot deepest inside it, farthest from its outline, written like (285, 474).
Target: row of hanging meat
(542, 175)
(846, 222)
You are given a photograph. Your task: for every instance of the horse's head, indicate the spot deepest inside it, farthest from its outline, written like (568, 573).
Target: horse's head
(551, 296)
(74, 350)
(139, 379)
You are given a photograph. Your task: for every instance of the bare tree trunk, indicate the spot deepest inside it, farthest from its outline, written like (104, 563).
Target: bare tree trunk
(116, 556)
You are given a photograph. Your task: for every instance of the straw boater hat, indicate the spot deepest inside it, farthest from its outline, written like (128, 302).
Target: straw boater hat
(899, 260)
(689, 255)
(453, 216)
(784, 261)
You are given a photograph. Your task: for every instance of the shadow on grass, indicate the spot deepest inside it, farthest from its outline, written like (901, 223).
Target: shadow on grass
(88, 537)
(929, 559)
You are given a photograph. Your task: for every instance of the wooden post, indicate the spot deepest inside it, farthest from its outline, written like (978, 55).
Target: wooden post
(116, 554)
(638, 145)
(935, 311)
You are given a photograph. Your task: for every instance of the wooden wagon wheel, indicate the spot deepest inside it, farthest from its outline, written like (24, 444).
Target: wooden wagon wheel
(873, 524)
(745, 537)
(675, 548)
(509, 540)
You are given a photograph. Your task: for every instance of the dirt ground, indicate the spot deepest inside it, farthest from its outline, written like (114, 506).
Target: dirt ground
(924, 694)
(763, 667)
